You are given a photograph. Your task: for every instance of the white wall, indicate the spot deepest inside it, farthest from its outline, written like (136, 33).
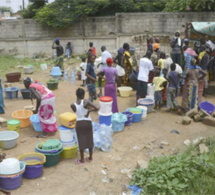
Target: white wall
(16, 5)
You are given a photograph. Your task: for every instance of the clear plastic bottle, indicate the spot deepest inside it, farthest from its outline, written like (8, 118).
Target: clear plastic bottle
(73, 76)
(66, 76)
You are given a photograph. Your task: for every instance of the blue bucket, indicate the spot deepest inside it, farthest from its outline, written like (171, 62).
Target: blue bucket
(11, 92)
(207, 106)
(136, 117)
(105, 120)
(36, 123)
(129, 118)
(56, 71)
(118, 126)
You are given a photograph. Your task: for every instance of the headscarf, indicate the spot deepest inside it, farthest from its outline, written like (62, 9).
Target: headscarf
(156, 46)
(109, 62)
(28, 80)
(191, 52)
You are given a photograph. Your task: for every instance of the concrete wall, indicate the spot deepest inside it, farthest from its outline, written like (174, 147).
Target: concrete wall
(28, 36)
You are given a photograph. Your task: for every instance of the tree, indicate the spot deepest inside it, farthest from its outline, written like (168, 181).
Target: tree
(190, 5)
(33, 8)
(64, 12)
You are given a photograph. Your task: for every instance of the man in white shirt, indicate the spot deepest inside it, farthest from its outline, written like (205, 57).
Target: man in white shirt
(105, 55)
(145, 67)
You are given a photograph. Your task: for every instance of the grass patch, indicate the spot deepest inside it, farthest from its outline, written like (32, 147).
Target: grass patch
(185, 173)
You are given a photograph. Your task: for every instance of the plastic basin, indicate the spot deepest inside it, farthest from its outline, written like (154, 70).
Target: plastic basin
(29, 69)
(149, 103)
(52, 84)
(8, 139)
(23, 116)
(33, 171)
(36, 123)
(26, 94)
(125, 91)
(32, 158)
(10, 182)
(207, 106)
(11, 92)
(13, 125)
(13, 77)
(69, 152)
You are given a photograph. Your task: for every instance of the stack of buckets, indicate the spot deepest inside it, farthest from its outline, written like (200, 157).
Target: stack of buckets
(13, 125)
(105, 111)
(68, 135)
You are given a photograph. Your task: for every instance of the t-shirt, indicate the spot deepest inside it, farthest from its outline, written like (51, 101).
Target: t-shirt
(105, 55)
(110, 73)
(126, 53)
(204, 61)
(59, 51)
(161, 63)
(144, 68)
(93, 49)
(158, 81)
(176, 47)
(91, 71)
(167, 62)
(173, 79)
(193, 75)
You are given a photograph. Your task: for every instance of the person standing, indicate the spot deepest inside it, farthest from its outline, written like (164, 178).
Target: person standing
(91, 78)
(1, 99)
(105, 55)
(119, 60)
(83, 67)
(145, 67)
(110, 86)
(60, 52)
(127, 63)
(84, 128)
(176, 44)
(68, 49)
(92, 50)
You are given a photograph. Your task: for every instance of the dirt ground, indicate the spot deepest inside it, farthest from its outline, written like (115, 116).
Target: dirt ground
(140, 141)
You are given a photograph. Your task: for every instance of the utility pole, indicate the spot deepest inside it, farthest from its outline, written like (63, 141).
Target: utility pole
(23, 4)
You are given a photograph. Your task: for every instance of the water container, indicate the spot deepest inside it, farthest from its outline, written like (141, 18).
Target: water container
(105, 105)
(66, 76)
(73, 77)
(129, 118)
(97, 140)
(66, 134)
(151, 89)
(145, 111)
(105, 119)
(106, 145)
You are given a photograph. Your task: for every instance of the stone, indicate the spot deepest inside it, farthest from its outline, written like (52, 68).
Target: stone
(197, 117)
(203, 113)
(186, 120)
(192, 112)
(142, 164)
(165, 143)
(187, 142)
(209, 121)
(3, 122)
(198, 140)
(203, 148)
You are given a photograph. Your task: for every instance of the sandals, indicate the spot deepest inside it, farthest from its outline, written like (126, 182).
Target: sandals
(88, 159)
(78, 161)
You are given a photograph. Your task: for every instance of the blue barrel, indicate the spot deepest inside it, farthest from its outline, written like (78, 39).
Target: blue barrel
(105, 120)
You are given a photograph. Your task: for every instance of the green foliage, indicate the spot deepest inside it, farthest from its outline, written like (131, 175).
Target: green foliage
(181, 174)
(5, 9)
(33, 8)
(190, 5)
(64, 12)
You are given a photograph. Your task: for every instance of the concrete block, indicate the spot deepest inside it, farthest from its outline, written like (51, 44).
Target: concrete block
(209, 121)
(142, 164)
(186, 120)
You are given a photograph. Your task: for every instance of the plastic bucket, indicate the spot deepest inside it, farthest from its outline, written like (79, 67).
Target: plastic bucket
(145, 110)
(66, 134)
(11, 92)
(23, 116)
(26, 94)
(69, 152)
(13, 125)
(56, 71)
(105, 105)
(149, 103)
(207, 106)
(104, 119)
(136, 116)
(33, 171)
(129, 117)
(43, 66)
(118, 126)
(36, 123)
(69, 144)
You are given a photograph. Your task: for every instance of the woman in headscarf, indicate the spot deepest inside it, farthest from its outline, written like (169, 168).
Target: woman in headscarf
(127, 62)
(110, 86)
(60, 52)
(119, 60)
(45, 105)
(190, 91)
(68, 49)
(1, 100)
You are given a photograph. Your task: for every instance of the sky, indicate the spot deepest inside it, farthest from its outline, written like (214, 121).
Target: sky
(16, 5)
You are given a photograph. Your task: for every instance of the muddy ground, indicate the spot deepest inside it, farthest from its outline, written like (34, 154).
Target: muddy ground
(140, 141)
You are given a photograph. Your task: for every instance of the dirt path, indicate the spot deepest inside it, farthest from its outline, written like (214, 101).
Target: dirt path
(137, 142)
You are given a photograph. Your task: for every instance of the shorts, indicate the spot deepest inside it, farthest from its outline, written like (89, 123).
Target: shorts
(92, 89)
(158, 96)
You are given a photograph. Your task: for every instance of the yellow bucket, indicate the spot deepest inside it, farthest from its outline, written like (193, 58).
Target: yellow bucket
(69, 152)
(13, 125)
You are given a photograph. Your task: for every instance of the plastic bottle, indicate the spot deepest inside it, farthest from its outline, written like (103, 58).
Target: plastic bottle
(65, 75)
(73, 77)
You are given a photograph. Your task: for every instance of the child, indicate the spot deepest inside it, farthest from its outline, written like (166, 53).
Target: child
(84, 128)
(83, 67)
(159, 85)
(173, 78)
(91, 78)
